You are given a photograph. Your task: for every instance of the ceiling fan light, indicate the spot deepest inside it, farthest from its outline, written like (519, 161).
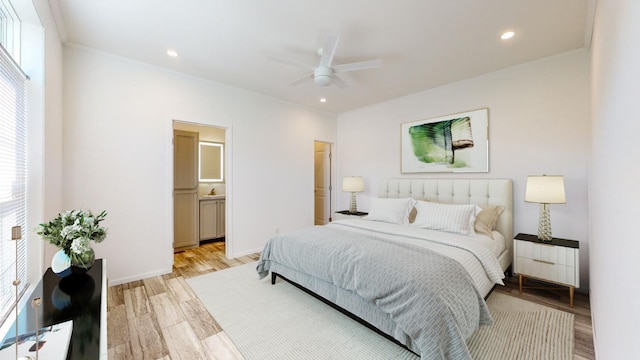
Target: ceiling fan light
(322, 80)
(322, 75)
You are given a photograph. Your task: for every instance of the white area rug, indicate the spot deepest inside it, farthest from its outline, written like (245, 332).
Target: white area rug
(280, 321)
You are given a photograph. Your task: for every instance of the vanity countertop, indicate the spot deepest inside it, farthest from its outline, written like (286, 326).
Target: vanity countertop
(212, 197)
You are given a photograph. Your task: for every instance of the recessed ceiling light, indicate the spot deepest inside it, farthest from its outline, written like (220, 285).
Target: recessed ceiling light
(323, 100)
(507, 35)
(172, 53)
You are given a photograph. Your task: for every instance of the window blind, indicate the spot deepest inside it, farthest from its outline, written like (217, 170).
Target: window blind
(13, 180)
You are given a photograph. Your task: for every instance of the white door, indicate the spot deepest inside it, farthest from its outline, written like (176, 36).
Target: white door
(322, 183)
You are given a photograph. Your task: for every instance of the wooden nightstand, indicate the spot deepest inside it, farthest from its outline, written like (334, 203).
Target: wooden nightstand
(556, 261)
(345, 214)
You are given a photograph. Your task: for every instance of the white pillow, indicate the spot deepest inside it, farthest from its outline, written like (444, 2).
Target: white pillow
(395, 211)
(454, 218)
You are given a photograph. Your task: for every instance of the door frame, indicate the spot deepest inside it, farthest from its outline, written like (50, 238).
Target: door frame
(228, 155)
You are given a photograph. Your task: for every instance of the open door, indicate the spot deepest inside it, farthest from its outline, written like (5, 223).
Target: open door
(322, 183)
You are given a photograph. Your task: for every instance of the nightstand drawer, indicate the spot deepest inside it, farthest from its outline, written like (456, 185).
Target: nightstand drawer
(546, 253)
(546, 270)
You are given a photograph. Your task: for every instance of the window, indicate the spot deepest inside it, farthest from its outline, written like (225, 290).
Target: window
(10, 29)
(13, 179)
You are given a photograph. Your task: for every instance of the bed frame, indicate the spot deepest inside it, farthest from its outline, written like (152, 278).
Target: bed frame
(360, 320)
(459, 191)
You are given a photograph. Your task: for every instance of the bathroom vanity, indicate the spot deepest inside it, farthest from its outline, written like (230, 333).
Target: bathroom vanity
(212, 217)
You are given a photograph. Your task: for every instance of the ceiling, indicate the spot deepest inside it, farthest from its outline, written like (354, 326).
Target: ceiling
(422, 43)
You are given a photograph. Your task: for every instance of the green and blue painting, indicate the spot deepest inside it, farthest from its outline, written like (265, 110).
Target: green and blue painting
(438, 142)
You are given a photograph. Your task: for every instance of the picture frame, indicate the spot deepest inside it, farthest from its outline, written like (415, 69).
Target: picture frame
(450, 143)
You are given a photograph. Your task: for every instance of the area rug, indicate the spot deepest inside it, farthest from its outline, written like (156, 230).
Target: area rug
(280, 321)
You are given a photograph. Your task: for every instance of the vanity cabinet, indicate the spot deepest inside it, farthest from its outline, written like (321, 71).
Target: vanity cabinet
(212, 218)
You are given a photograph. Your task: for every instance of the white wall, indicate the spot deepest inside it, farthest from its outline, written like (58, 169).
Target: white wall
(41, 60)
(117, 156)
(614, 179)
(538, 124)
(51, 151)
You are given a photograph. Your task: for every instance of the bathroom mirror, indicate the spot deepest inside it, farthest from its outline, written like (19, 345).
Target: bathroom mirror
(211, 167)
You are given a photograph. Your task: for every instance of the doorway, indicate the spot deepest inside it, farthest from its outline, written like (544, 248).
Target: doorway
(210, 201)
(323, 179)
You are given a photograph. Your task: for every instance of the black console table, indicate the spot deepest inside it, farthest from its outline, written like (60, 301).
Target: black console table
(78, 297)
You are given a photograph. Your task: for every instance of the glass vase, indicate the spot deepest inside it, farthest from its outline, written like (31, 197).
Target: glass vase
(61, 264)
(81, 263)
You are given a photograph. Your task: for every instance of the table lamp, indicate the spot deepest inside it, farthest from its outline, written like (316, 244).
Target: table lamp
(545, 190)
(353, 184)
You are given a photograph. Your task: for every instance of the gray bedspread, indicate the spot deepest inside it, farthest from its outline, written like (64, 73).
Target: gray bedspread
(429, 296)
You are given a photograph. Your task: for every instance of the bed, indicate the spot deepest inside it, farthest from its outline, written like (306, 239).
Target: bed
(416, 268)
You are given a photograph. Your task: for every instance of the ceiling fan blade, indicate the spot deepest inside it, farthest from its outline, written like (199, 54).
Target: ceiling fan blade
(328, 50)
(301, 79)
(339, 82)
(357, 66)
(291, 62)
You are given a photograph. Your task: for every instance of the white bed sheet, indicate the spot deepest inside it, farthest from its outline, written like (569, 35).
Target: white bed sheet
(495, 245)
(481, 263)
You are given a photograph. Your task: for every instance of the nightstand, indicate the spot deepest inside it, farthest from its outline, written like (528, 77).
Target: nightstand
(556, 261)
(345, 214)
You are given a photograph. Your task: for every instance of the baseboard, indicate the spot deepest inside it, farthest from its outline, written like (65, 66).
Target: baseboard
(593, 326)
(137, 277)
(245, 253)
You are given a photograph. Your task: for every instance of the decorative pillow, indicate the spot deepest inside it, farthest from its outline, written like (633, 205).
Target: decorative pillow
(395, 211)
(487, 218)
(454, 218)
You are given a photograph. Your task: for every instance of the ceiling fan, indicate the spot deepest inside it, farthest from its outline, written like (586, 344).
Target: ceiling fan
(325, 73)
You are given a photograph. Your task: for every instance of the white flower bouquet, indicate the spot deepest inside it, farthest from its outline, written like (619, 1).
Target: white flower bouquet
(73, 231)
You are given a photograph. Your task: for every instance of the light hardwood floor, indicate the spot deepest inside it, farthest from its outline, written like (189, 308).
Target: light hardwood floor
(161, 318)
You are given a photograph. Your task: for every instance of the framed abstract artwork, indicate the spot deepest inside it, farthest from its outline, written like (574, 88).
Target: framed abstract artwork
(451, 143)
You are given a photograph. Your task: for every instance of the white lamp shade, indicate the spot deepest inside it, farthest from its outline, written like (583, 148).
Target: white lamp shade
(353, 184)
(545, 189)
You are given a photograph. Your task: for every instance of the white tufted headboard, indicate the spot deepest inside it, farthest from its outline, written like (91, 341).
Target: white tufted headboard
(460, 191)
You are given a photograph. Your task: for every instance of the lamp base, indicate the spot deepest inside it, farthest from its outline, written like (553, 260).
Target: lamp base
(353, 208)
(544, 223)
